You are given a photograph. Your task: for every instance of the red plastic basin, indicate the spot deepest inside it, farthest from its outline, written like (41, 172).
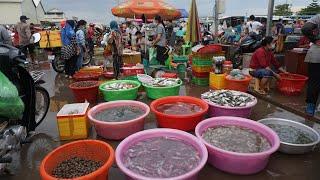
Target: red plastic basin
(181, 122)
(118, 130)
(238, 85)
(291, 84)
(86, 76)
(85, 93)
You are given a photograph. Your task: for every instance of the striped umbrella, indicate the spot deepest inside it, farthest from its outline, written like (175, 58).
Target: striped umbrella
(193, 28)
(149, 8)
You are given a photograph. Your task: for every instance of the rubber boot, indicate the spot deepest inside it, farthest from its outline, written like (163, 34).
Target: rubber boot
(310, 110)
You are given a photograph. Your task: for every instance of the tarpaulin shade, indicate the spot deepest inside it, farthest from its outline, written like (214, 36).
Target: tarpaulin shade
(148, 8)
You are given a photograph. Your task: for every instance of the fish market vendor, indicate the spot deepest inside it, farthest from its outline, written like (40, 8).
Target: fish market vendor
(264, 63)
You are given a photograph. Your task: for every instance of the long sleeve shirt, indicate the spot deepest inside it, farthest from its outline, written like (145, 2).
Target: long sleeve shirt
(81, 39)
(262, 59)
(24, 32)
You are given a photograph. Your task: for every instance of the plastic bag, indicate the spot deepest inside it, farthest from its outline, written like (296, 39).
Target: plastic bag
(11, 105)
(11, 108)
(7, 89)
(153, 56)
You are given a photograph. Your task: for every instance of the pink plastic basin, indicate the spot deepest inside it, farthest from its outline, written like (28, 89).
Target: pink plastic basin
(217, 110)
(238, 163)
(118, 130)
(181, 135)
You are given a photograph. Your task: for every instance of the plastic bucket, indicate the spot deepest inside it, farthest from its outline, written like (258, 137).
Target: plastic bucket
(238, 163)
(82, 94)
(160, 92)
(244, 112)
(180, 135)
(238, 85)
(181, 122)
(88, 149)
(291, 84)
(126, 94)
(118, 130)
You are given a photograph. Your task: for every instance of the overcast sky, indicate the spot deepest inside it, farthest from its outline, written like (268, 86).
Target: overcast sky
(100, 10)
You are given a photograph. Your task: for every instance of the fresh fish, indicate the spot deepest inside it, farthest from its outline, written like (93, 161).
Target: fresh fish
(163, 82)
(236, 74)
(118, 86)
(228, 98)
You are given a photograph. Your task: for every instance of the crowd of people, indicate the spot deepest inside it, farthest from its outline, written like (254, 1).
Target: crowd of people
(78, 38)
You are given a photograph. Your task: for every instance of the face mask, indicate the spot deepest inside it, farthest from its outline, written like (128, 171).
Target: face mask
(273, 46)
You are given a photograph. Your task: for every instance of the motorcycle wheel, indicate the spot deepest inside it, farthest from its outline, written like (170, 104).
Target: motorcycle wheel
(58, 64)
(42, 104)
(87, 58)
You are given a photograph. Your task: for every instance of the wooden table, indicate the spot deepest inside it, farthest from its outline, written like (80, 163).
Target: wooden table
(294, 62)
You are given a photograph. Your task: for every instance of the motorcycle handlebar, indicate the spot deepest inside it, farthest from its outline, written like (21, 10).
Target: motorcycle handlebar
(21, 60)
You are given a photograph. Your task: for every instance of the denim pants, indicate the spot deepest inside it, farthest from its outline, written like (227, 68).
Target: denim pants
(80, 59)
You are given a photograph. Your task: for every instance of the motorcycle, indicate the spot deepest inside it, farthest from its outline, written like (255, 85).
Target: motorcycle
(248, 45)
(16, 132)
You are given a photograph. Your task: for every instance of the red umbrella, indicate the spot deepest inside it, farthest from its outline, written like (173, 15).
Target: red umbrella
(150, 8)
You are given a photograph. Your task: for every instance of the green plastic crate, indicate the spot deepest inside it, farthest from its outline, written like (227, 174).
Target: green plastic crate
(180, 59)
(200, 81)
(202, 62)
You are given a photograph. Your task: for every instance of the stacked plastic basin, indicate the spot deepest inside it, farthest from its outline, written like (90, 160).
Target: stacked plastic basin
(201, 67)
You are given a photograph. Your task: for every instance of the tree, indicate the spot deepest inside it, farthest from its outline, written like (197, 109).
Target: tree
(283, 10)
(312, 9)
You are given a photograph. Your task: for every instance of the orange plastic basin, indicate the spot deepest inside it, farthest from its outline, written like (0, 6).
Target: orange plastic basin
(87, 149)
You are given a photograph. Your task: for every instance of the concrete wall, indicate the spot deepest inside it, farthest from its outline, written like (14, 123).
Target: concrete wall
(10, 12)
(35, 14)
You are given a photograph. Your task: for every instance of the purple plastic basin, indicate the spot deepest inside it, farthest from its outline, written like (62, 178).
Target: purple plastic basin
(180, 135)
(244, 112)
(238, 163)
(118, 130)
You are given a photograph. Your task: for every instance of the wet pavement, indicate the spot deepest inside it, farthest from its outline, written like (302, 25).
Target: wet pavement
(281, 166)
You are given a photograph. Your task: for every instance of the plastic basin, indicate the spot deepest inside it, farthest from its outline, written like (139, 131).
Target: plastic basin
(160, 92)
(126, 94)
(217, 110)
(118, 130)
(181, 122)
(87, 76)
(238, 163)
(88, 149)
(82, 94)
(291, 84)
(180, 135)
(238, 85)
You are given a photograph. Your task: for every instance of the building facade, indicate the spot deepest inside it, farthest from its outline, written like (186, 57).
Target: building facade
(11, 10)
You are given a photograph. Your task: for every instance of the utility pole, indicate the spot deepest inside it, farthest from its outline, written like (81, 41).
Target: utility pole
(216, 15)
(270, 15)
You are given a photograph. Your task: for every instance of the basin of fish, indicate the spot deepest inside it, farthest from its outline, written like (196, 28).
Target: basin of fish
(119, 86)
(290, 134)
(179, 108)
(236, 139)
(161, 157)
(163, 82)
(119, 114)
(228, 98)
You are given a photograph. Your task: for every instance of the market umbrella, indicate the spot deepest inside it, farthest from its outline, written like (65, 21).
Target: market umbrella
(193, 28)
(149, 8)
(184, 13)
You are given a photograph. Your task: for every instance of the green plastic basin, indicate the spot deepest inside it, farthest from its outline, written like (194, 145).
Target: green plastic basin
(126, 94)
(160, 92)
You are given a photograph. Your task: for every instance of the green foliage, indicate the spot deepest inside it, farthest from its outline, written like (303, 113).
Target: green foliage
(283, 10)
(312, 9)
